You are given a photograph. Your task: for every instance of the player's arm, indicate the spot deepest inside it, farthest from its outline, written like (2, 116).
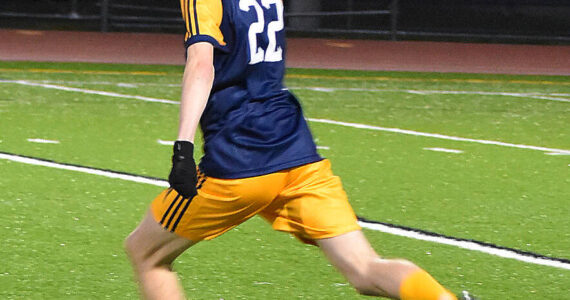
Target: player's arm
(196, 85)
(202, 19)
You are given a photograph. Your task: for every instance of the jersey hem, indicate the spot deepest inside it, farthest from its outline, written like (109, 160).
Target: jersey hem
(265, 170)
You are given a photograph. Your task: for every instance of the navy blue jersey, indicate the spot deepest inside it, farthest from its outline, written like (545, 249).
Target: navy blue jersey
(252, 124)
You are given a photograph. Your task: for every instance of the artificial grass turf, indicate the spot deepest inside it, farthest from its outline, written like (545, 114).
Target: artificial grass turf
(499, 184)
(381, 102)
(511, 197)
(63, 239)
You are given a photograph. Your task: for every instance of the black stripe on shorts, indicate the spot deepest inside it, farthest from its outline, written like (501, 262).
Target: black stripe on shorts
(169, 208)
(174, 213)
(181, 214)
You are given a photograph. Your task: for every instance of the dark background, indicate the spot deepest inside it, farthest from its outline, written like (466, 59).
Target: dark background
(522, 21)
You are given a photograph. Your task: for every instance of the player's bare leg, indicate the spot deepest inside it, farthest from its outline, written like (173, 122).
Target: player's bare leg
(152, 251)
(371, 275)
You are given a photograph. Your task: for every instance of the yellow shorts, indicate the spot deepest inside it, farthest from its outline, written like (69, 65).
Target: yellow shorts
(307, 201)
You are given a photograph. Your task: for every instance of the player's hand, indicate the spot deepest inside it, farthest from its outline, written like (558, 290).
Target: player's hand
(183, 176)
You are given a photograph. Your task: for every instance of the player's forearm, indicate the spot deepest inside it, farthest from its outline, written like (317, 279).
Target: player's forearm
(196, 86)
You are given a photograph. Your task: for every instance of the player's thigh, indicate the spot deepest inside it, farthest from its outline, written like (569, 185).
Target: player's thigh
(150, 245)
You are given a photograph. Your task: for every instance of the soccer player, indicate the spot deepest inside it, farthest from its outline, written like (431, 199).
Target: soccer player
(259, 158)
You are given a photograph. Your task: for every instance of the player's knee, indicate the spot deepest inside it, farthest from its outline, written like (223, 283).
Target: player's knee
(371, 277)
(141, 257)
(130, 248)
(134, 251)
(362, 280)
(406, 264)
(366, 289)
(364, 285)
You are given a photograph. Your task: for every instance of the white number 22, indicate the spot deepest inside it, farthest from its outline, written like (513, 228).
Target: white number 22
(273, 52)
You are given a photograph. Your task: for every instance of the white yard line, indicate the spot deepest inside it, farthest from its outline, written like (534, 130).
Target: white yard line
(86, 91)
(444, 150)
(557, 153)
(473, 246)
(110, 174)
(543, 96)
(346, 124)
(480, 93)
(466, 245)
(166, 143)
(115, 83)
(436, 135)
(42, 141)
(548, 98)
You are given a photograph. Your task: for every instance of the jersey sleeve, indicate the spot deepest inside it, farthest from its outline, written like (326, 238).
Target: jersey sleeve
(202, 19)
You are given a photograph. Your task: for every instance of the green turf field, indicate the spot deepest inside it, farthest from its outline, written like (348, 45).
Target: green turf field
(509, 185)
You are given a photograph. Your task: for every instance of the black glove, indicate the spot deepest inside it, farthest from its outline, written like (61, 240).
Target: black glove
(183, 176)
